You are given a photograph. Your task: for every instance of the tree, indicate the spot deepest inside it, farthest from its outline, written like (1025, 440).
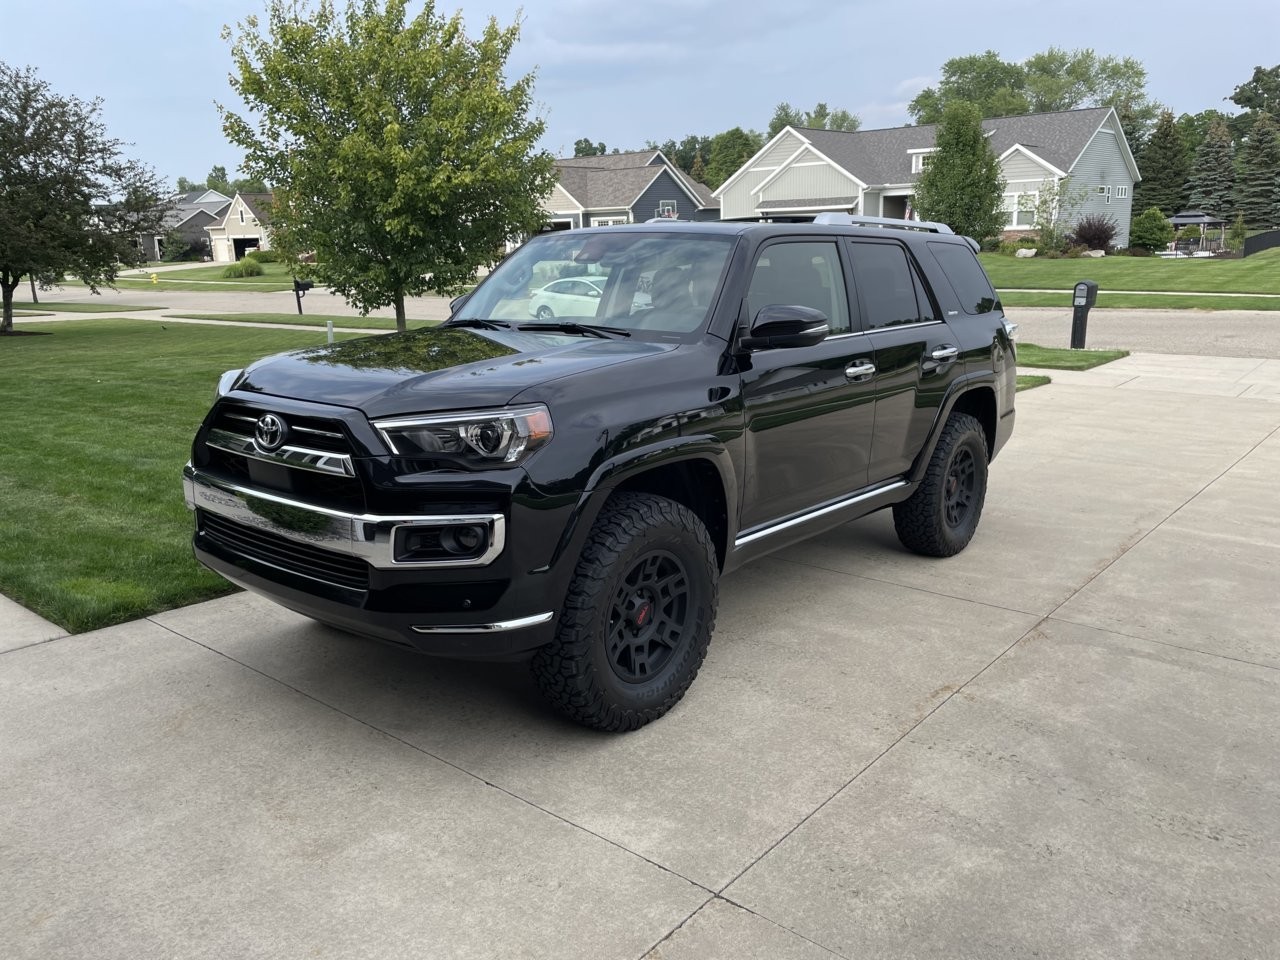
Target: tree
(1259, 94)
(1054, 207)
(683, 154)
(821, 117)
(961, 184)
(217, 180)
(729, 151)
(69, 201)
(1165, 167)
(585, 148)
(400, 155)
(1258, 184)
(1237, 234)
(699, 169)
(188, 186)
(1053, 80)
(996, 87)
(1150, 230)
(1212, 183)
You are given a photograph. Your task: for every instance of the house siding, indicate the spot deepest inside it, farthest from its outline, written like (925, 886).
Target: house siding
(560, 202)
(798, 183)
(739, 200)
(1018, 168)
(1102, 164)
(666, 188)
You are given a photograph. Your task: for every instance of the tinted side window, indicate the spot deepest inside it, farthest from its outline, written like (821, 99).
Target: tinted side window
(801, 274)
(887, 284)
(966, 276)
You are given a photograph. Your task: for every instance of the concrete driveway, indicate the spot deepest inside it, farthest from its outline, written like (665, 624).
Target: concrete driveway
(1061, 743)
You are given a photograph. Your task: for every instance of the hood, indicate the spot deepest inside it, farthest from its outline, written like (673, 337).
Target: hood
(434, 369)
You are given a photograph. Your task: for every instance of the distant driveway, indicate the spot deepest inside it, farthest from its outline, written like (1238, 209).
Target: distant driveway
(1216, 333)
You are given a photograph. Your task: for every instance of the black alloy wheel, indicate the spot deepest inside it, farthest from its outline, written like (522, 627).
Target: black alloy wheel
(941, 515)
(647, 621)
(960, 487)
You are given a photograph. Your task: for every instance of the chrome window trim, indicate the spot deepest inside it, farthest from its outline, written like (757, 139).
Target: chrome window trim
(368, 536)
(501, 626)
(304, 458)
(899, 326)
(814, 513)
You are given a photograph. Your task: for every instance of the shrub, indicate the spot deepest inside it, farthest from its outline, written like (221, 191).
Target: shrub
(1151, 230)
(1093, 232)
(1137, 252)
(263, 256)
(244, 268)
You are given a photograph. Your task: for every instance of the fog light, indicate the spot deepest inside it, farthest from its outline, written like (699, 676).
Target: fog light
(464, 540)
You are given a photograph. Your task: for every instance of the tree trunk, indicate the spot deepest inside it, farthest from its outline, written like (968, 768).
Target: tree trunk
(6, 324)
(401, 325)
(34, 298)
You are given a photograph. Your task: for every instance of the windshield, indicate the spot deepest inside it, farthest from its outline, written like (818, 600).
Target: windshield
(649, 284)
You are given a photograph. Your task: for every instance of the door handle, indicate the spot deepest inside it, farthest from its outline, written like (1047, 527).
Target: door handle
(945, 354)
(860, 371)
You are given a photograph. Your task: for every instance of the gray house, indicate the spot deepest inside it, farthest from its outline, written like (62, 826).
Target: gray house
(625, 188)
(188, 215)
(801, 172)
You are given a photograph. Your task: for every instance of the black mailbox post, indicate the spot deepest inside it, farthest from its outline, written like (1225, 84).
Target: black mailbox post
(1084, 297)
(300, 288)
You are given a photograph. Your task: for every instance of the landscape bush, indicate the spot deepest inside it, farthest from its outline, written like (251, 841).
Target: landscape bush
(1093, 232)
(263, 256)
(244, 268)
(1151, 231)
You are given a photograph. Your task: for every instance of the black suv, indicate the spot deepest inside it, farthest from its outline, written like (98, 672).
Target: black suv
(564, 470)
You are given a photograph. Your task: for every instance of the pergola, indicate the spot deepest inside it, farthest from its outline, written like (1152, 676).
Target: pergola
(1204, 221)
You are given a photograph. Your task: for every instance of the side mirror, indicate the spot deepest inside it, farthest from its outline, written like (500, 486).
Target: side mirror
(776, 327)
(457, 302)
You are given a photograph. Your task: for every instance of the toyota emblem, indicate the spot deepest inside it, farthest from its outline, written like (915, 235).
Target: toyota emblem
(269, 433)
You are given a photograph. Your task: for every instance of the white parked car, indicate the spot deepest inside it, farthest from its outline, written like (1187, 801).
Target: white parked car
(568, 297)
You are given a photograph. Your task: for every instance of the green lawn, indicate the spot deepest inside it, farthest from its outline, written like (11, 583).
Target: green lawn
(1257, 274)
(101, 417)
(59, 306)
(275, 277)
(1031, 382)
(1060, 358)
(1138, 301)
(308, 319)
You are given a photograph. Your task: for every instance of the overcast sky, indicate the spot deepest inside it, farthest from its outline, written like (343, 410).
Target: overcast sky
(627, 71)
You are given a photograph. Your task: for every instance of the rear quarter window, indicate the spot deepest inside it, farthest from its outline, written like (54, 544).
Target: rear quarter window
(966, 276)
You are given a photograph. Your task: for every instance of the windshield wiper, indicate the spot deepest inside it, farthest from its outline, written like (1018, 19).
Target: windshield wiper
(572, 326)
(480, 322)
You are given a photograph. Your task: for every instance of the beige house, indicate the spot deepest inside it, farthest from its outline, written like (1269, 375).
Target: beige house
(801, 172)
(244, 226)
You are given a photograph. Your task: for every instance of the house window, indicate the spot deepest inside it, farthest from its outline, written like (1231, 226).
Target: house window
(666, 209)
(608, 221)
(242, 214)
(921, 160)
(1105, 193)
(1019, 210)
(1121, 193)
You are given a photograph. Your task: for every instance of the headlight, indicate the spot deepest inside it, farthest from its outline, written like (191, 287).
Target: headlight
(226, 382)
(489, 438)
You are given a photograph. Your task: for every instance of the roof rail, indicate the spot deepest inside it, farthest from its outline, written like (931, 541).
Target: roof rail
(848, 219)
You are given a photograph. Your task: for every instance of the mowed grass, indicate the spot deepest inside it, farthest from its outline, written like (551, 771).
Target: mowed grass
(1061, 358)
(1141, 301)
(1026, 382)
(61, 306)
(100, 418)
(274, 278)
(308, 319)
(1257, 274)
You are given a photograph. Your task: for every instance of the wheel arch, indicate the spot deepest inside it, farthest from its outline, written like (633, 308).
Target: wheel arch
(975, 396)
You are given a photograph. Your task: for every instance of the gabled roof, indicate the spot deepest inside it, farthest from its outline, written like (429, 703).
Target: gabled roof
(880, 157)
(615, 180)
(201, 196)
(259, 204)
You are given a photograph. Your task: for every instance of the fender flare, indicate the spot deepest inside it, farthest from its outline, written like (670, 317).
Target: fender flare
(968, 383)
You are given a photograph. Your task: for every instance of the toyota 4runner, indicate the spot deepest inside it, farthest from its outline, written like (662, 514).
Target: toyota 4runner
(564, 470)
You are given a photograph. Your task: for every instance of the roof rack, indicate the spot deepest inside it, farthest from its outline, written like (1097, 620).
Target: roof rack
(848, 219)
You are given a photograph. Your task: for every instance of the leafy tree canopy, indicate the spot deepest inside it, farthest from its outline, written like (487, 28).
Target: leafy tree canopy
(217, 180)
(729, 151)
(399, 153)
(69, 201)
(685, 152)
(1053, 80)
(961, 185)
(585, 148)
(821, 117)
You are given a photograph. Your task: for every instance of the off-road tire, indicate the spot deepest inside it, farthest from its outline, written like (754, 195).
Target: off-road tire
(591, 671)
(940, 518)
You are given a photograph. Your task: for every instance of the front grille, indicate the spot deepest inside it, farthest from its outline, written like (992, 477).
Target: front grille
(284, 554)
(315, 433)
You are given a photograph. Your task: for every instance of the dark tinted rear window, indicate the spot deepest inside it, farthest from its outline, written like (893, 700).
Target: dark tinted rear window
(966, 276)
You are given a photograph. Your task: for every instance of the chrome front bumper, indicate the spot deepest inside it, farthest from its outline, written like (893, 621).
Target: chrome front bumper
(368, 537)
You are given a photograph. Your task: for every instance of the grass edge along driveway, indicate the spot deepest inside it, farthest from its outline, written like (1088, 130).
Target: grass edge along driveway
(103, 412)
